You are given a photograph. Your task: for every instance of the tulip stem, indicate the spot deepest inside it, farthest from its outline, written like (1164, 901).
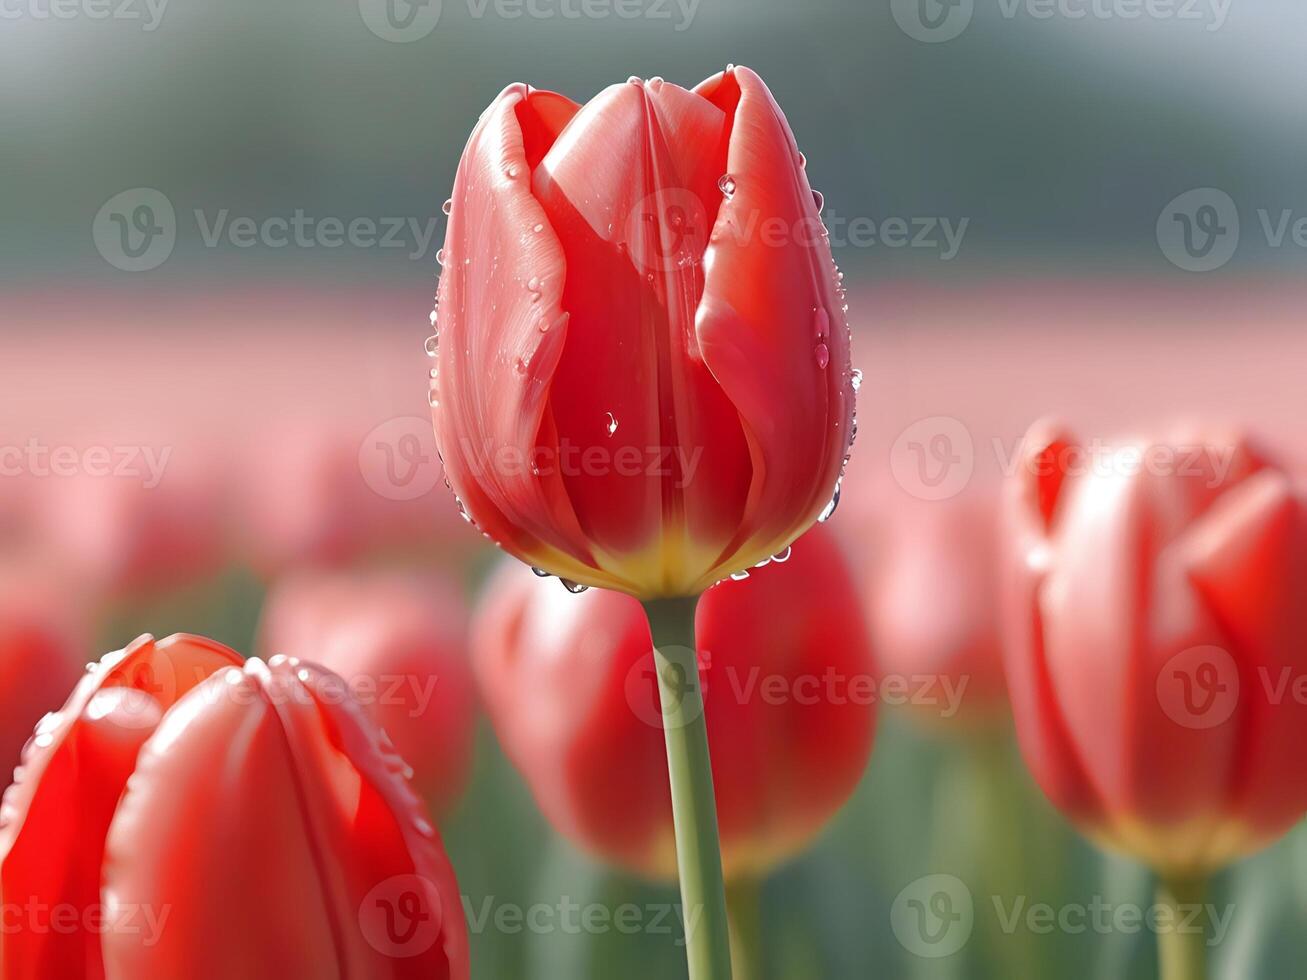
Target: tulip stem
(744, 897)
(694, 808)
(1181, 941)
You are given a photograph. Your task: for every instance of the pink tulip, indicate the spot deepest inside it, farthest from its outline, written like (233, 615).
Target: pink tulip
(643, 371)
(1156, 623)
(398, 640)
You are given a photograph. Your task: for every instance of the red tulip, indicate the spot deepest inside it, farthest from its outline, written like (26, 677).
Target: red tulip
(186, 814)
(932, 600)
(41, 655)
(785, 661)
(643, 370)
(1156, 625)
(399, 641)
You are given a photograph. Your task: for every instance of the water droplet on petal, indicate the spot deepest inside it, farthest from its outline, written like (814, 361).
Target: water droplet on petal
(612, 424)
(511, 171)
(829, 510)
(803, 160)
(856, 379)
(726, 184)
(539, 572)
(822, 353)
(432, 345)
(533, 283)
(576, 588)
(538, 229)
(440, 257)
(739, 576)
(819, 200)
(448, 206)
(820, 323)
(781, 557)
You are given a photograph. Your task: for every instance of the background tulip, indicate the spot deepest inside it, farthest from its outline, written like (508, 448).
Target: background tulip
(784, 659)
(643, 375)
(399, 640)
(172, 764)
(1156, 624)
(42, 653)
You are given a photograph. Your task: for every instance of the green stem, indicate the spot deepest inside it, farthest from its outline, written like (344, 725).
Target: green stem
(1181, 952)
(744, 899)
(694, 808)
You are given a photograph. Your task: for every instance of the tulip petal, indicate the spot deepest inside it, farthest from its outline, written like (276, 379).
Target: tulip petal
(631, 188)
(502, 331)
(771, 325)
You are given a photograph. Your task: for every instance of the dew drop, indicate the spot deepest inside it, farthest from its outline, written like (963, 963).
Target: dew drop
(448, 206)
(803, 160)
(432, 345)
(612, 424)
(739, 576)
(830, 508)
(533, 284)
(576, 588)
(822, 353)
(511, 171)
(539, 572)
(440, 257)
(819, 200)
(727, 186)
(519, 365)
(781, 557)
(538, 229)
(856, 379)
(820, 323)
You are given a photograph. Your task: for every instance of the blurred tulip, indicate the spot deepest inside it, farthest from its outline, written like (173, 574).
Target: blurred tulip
(932, 599)
(1155, 624)
(242, 819)
(42, 653)
(331, 492)
(569, 683)
(399, 640)
(131, 537)
(643, 371)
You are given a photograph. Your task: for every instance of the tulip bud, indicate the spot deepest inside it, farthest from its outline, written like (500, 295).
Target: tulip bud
(191, 814)
(399, 642)
(789, 702)
(643, 377)
(1154, 621)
